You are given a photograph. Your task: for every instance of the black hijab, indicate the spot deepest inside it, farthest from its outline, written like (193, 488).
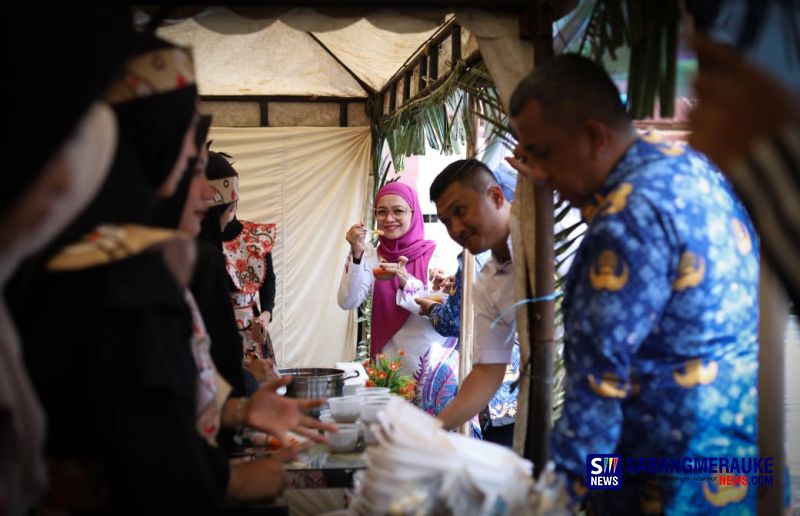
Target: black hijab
(151, 132)
(167, 213)
(218, 168)
(86, 46)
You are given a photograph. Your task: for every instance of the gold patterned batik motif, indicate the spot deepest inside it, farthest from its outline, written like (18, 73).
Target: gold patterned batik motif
(721, 495)
(694, 373)
(604, 275)
(744, 244)
(614, 202)
(691, 271)
(609, 386)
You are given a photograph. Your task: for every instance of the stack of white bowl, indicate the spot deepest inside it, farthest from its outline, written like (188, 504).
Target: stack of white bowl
(352, 414)
(373, 401)
(417, 467)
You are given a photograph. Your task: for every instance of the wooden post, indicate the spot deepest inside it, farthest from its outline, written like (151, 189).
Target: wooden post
(541, 314)
(773, 307)
(465, 343)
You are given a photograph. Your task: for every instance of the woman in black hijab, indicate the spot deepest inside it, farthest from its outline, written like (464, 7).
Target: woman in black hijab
(112, 365)
(74, 139)
(247, 248)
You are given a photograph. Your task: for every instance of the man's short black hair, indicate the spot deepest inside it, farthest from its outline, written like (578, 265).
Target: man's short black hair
(468, 172)
(570, 89)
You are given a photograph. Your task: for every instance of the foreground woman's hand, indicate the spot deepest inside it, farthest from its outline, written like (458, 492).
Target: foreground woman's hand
(263, 479)
(275, 414)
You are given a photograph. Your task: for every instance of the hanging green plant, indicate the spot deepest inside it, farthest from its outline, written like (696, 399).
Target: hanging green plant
(650, 29)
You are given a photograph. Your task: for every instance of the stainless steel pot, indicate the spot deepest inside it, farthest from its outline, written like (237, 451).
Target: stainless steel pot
(316, 382)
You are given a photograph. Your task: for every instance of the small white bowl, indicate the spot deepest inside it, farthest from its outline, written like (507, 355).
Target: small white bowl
(369, 437)
(345, 409)
(370, 409)
(345, 440)
(373, 391)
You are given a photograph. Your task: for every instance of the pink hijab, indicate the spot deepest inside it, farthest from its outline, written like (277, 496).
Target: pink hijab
(387, 317)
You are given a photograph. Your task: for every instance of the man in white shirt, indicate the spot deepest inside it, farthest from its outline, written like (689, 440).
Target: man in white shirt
(471, 205)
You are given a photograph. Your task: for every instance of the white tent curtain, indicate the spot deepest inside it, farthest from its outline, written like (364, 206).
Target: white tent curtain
(312, 183)
(507, 57)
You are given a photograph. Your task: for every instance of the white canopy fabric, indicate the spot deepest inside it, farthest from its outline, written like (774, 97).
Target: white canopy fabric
(237, 55)
(311, 182)
(305, 52)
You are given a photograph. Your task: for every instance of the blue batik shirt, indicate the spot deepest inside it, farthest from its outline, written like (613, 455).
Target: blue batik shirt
(661, 319)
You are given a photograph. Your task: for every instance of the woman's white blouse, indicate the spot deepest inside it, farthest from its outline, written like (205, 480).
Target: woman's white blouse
(417, 335)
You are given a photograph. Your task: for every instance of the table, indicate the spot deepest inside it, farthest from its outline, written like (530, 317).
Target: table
(317, 467)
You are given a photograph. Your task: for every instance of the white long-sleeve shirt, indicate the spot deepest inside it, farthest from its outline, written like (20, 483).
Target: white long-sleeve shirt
(416, 336)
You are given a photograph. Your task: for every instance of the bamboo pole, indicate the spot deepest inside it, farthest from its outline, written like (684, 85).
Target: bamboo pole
(773, 307)
(465, 339)
(467, 279)
(541, 314)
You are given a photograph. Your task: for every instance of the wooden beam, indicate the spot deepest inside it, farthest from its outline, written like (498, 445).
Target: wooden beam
(470, 61)
(406, 86)
(445, 31)
(264, 108)
(423, 72)
(342, 114)
(541, 315)
(433, 61)
(279, 98)
(455, 45)
(365, 6)
(393, 97)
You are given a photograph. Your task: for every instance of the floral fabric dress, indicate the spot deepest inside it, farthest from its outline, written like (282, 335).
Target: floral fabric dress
(245, 260)
(211, 390)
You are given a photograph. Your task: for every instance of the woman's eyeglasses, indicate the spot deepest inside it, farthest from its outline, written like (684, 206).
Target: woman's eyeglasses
(397, 213)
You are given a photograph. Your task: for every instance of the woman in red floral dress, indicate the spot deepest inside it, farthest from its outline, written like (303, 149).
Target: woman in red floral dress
(248, 258)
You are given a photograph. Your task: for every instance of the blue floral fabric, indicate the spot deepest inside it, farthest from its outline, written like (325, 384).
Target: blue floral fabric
(446, 320)
(660, 315)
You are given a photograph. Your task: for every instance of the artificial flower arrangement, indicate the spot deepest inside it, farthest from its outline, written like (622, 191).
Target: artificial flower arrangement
(383, 372)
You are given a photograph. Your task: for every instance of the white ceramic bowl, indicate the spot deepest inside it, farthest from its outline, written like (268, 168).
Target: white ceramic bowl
(370, 408)
(345, 409)
(369, 437)
(373, 391)
(345, 440)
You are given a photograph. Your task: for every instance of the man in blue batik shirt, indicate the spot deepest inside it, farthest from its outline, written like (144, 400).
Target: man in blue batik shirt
(660, 308)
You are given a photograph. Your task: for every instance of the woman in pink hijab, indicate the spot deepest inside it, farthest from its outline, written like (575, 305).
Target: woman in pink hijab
(406, 258)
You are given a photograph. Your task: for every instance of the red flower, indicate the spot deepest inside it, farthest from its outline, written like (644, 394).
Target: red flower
(382, 375)
(241, 265)
(394, 366)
